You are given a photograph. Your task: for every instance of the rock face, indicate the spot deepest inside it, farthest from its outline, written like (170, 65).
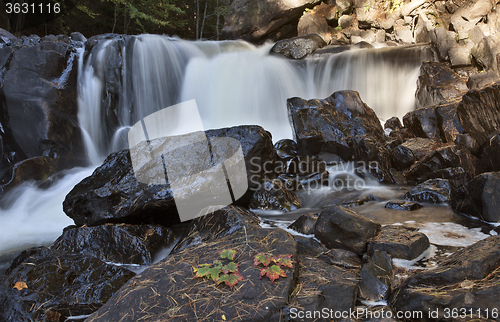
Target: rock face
(298, 47)
(325, 125)
(479, 112)
(125, 244)
(113, 194)
(58, 285)
(257, 20)
(482, 196)
(399, 242)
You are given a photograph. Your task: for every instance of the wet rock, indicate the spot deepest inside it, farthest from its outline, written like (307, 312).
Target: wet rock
(400, 136)
(305, 224)
(274, 195)
(36, 168)
(490, 157)
(402, 157)
(399, 242)
(484, 79)
(421, 147)
(125, 244)
(438, 84)
(376, 277)
(393, 123)
(481, 199)
(298, 47)
(113, 194)
(255, 20)
(479, 112)
(325, 125)
(403, 205)
(57, 284)
(339, 227)
(173, 294)
(286, 149)
(449, 122)
(433, 191)
(218, 224)
(457, 176)
(423, 123)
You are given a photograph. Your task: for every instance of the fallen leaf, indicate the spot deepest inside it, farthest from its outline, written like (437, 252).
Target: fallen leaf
(20, 285)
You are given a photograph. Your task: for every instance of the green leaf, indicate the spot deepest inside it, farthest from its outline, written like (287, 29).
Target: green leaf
(228, 253)
(284, 260)
(272, 272)
(229, 268)
(230, 280)
(203, 271)
(262, 258)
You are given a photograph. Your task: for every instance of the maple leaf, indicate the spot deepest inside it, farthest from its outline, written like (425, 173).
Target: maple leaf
(229, 268)
(20, 285)
(262, 258)
(272, 272)
(284, 260)
(203, 271)
(228, 253)
(230, 280)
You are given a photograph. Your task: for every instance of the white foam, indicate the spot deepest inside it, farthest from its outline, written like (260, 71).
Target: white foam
(451, 234)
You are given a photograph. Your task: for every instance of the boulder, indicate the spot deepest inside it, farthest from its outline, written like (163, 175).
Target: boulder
(443, 40)
(255, 20)
(460, 55)
(399, 242)
(168, 291)
(487, 53)
(438, 84)
(44, 284)
(481, 198)
(316, 22)
(432, 191)
(325, 125)
(404, 35)
(402, 157)
(371, 155)
(393, 123)
(305, 224)
(490, 157)
(298, 47)
(339, 227)
(286, 149)
(124, 244)
(450, 124)
(484, 79)
(274, 195)
(457, 176)
(421, 147)
(113, 193)
(403, 205)
(376, 277)
(423, 123)
(479, 112)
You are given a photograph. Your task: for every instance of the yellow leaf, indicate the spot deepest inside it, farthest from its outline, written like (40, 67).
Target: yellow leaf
(223, 317)
(20, 285)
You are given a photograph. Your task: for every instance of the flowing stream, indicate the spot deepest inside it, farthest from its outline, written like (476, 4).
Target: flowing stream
(233, 82)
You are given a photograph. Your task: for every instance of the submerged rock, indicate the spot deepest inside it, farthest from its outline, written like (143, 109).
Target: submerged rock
(403, 205)
(399, 242)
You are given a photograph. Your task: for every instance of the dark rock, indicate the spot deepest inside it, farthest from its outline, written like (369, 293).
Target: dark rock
(216, 225)
(325, 125)
(402, 157)
(403, 205)
(57, 283)
(298, 47)
(36, 168)
(376, 277)
(393, 123)
(398, 177)
(483, 193)
(449, 122)
(274, 195)
(77, 36)
(123, 244)
(301, 166)
(402, 135)
(423, 123)
(113, 194)
(480, 80)
(479, 112)
(433, 191)
(490, 157)
(438, 84)
(457, 176)
(339, 227)
(305, 224)
(255, 20)
(170, 284)
(421, 147)
(399, 242)
(465, 140)
(286, 149)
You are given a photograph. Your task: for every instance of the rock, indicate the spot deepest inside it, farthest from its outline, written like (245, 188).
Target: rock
(460, 56)
(423, 123)
(305, 224)
(315, 22)
(402, 205)
(307, 172)
(490, 157)
(255, 20)
(327, 126)
(344, 6)
(113, 194)
(376, 278)
(443, 40)
(433, 191)
(457, 176)
(486, 53)
(404, 35)
(484, 79)
(286, 149)
(6, 36)
(57, 284)
(339, 227)
(422, 29)
(345, 21)
(173, 294)
(393, 123)
(463, 280)
(421, 147)
(36, 168)
(479, 112)
(402, 157)
(126, 244)
(371, 156)
(481, 199)
(273, 195)
(450, 124)
(298, 47)
(438, 84)
(399, 242)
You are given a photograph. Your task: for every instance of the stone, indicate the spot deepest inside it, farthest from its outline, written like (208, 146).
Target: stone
(316, 22)
(402, 157)
(403, 205)
(380, 35)
(273, 195)
(404, 35)
(457, 176)
(286, 149)
(298, 47)
(305, 224)
(490, 157)
(423, 123)
(422, 29)
(345, 21)
(460, 56)
(399, 242)
(486, 53)
(484, 79)
(127, 244)
(344, 6)
(393, 123)
(450, 125)
(339, 227)
(432, 191)
(421, 147)
(376, 278)
(444, 40)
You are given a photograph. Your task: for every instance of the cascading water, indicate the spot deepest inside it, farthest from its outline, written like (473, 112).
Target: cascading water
(125, 79)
